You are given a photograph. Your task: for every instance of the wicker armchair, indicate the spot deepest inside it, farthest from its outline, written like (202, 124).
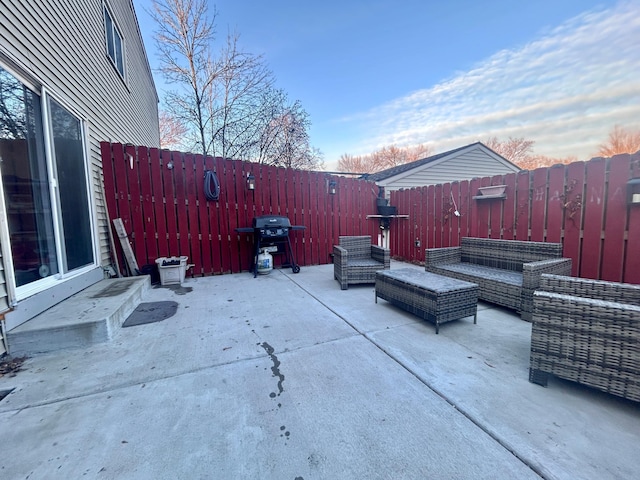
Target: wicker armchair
(587, 331)
(356, 260)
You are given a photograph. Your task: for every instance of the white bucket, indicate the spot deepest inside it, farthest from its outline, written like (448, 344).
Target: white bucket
(265, 262)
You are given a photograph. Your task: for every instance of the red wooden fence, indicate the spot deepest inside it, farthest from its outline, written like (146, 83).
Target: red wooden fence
(165, 212)
(583, 205)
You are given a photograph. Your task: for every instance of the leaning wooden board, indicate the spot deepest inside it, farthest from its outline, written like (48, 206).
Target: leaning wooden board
(126, 246)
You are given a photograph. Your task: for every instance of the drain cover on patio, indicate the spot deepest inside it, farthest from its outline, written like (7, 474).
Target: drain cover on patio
(151, 312)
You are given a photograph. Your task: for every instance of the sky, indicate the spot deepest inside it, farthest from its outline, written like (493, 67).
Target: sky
(376, 73)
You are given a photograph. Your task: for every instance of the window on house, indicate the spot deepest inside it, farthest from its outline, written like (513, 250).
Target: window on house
(114, 42)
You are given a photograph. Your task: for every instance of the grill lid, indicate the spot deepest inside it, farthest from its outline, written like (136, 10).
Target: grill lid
(269, 221)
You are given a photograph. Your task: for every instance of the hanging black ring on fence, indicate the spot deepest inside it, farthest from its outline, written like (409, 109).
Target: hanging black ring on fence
(211, 185)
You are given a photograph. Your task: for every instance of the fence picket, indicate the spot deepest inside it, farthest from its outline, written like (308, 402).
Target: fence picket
(223, 215)
(170, 206)
(194, 190)
(464, 208)
(509, 209)
(157, 196)
(593, 216)
(538, 204)
(573, 198)
(204, 231)
(454, 220)
(554, 204)
(523, 199)
(495, 211)
(146, 193)
(613, 246)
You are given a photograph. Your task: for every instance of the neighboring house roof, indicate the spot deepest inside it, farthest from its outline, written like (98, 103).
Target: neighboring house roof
(406, 168)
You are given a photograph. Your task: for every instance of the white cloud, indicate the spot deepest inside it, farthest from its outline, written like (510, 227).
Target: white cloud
(565, 90)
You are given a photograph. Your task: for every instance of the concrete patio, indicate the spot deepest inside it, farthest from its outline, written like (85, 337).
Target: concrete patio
(287, 377)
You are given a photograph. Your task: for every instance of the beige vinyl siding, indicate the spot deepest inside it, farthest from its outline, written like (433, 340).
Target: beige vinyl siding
(4, 297)
(462, 166)
(62, 44)
(4, 304)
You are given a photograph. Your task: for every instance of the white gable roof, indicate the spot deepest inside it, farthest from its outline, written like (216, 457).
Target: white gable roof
(465, 163)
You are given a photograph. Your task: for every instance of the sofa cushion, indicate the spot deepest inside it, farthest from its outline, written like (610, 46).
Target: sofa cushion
(503, 287)
(364, 262)
(490, 273)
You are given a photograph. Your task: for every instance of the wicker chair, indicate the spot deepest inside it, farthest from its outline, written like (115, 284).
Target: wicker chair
(356, 260)
(587, 331)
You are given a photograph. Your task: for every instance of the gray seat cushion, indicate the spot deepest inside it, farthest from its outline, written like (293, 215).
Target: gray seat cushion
(364, 262)
(494, 274)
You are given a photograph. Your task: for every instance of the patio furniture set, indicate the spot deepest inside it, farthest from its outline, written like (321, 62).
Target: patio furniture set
(587, 331)
(356, 260)
(506, 271)
(432, 297)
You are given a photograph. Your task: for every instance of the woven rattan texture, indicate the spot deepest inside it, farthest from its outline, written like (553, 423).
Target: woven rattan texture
(356, 260)
(587, 331)
(431, 297)
(506, 271)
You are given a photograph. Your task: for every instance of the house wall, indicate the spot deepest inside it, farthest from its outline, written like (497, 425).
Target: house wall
(463, 166)
(61, 45)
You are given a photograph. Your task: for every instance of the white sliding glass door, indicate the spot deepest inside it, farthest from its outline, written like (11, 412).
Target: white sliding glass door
(46, 192)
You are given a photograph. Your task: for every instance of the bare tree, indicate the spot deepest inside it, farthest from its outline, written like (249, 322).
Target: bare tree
(287, 140)
(386, 157)
(354, 164)
(520, 152)
(621, 140)
(273, 106)
(14, 107)
(172, 131)
(184, 36)
(227, 101)
(516, 150)
(238, 102)
(538, 161)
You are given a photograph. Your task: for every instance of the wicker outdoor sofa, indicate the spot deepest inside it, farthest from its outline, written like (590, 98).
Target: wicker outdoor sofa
(507, 271)
(356, 260)
(587, 331)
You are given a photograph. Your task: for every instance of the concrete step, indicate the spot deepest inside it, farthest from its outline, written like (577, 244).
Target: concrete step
(91, 316)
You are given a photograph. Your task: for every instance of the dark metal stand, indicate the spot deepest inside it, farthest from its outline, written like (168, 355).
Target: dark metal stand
(287, 250)
(283, 243)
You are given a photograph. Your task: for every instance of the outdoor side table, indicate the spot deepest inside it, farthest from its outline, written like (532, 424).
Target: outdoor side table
(432, 297)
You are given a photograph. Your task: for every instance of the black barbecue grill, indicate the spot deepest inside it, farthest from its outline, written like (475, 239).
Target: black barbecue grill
(272, 231)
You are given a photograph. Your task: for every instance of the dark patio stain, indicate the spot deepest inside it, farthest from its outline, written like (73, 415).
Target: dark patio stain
(275, 369)
(116, 288)
(286, 432)
(151, 312)
(177, 289)
(4, 393)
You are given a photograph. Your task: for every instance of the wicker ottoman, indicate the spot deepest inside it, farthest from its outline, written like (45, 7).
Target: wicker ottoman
(432, 297)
